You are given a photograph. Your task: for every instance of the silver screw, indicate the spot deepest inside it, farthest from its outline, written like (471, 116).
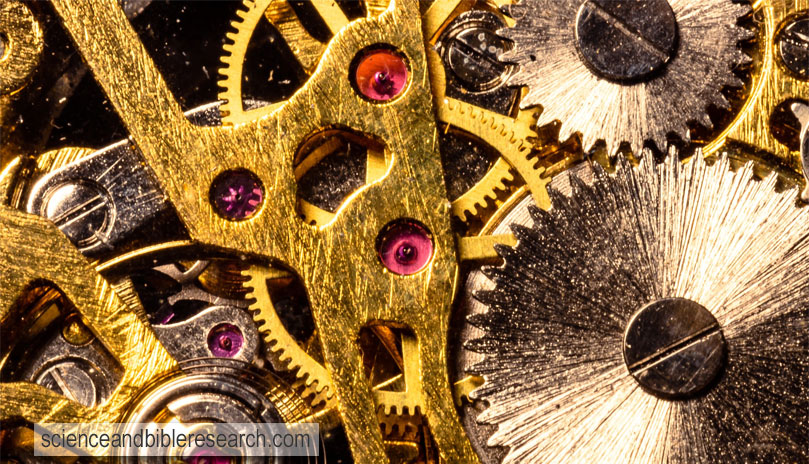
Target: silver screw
(793, 47)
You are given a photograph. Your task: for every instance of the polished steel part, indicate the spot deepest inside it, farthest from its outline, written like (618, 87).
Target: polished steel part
(628, 39)
(469, 47)
(550, 65)
(85, 373)
(102, 197)
(191, 339)
(551, 334)
(801, 111)
(674, 347)
(215, 391)
(472, 56)
(99, 200)
(793, 46)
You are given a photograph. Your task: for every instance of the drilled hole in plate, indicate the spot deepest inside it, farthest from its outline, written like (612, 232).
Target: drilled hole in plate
(332, 165)
(785, 125)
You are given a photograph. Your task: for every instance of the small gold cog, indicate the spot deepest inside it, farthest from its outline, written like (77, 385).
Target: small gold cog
(311, 375)
(510, 137)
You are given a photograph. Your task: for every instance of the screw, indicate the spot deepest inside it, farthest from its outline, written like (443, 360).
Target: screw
(83, 210)
(626, 39)
(793, 47)
(71, 379)
(674, 347)
(472, 53)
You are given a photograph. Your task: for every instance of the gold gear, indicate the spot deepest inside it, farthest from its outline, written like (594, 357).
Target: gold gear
(311, 374)
(306, 48)
(313, 377)
(508, 136)
(772, 84)
(512, 137)
(409, 401)
(232, 109)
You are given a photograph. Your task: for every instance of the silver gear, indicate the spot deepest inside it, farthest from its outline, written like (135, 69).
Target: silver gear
(550, 343)
(551, 66)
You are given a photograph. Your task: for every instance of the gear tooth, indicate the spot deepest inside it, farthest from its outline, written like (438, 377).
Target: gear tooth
(243, 13)
(733, 81)
(705, 120)
(721, 102)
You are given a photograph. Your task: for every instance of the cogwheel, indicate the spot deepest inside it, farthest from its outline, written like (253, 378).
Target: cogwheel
(484, 192)
(232, 108)
(399, 426)
(306, 48)
(409, 401)
(312, 376)
(510, 137)
(593, 295)
(625, 71)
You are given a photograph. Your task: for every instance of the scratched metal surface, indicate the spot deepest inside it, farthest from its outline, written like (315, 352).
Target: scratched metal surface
(550, 333)
(557, 79)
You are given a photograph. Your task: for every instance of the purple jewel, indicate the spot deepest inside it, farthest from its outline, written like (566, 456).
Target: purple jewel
(207, 456)
(237, 195)
(405, 248)
(383, 83)
(225, 341)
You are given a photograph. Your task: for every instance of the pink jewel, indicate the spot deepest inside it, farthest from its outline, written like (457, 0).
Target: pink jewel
(225, 341)
(405, 248)
(381, 75)
(237, 195)
(207, 456)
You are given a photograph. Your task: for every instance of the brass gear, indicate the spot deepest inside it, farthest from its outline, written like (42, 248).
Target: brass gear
(306, 48)
(312, 376)
(510, 137)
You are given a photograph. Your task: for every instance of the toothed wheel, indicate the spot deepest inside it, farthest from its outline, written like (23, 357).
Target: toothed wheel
(311, 376)
(625, 71)
(656, 314)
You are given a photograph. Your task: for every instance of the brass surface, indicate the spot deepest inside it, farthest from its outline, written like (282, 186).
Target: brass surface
(280, 343)
(337, 262)
(772, 85)
(22, 45)
(34, 252)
